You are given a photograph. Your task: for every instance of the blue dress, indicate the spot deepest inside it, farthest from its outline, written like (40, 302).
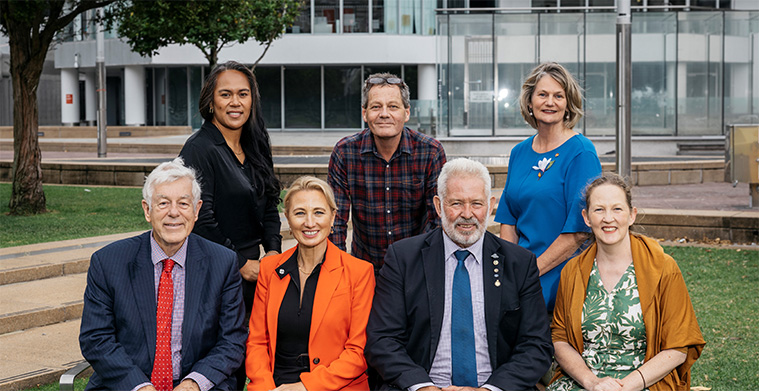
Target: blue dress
(544, 197)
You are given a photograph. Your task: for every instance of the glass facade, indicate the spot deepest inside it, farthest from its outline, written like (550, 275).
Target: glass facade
(367, 16)
(693, 72)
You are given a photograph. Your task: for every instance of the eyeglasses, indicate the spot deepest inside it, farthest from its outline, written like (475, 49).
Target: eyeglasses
(382, 80)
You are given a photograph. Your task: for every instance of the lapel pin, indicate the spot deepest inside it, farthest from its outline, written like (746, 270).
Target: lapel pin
(494, 255)
(496, 275)
(281, 271)
(497, 283)
(495, 262)
(496, 270)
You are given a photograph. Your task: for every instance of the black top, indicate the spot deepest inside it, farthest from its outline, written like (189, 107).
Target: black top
(235, 213)
(294, 323)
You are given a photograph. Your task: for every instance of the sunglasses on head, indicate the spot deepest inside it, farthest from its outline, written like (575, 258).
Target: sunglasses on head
(382, 80)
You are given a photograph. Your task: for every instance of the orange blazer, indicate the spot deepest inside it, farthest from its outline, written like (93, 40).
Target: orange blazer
(337, 338)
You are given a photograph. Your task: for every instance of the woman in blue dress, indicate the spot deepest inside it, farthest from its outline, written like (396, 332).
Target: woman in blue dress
(540, 208)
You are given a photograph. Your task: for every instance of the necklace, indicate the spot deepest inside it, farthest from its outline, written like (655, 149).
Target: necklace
(239, 153)
(306, 273)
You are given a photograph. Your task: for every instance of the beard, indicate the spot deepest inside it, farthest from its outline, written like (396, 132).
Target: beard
(462, 239)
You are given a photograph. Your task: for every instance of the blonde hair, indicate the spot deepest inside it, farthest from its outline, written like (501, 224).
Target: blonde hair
(571, 88)
(310, 183)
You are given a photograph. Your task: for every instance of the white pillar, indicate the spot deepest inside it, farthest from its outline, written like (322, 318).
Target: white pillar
(427, 82)
(134, 95)
(70, 96)
(90, 98)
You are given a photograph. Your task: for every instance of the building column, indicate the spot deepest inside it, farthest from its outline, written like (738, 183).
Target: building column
(70, 96)
(90, 98)
(427, 82)
(134, 95)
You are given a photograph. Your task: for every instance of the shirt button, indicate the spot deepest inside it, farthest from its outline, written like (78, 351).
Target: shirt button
(387, 166)
(389, 233)
(388, 211)
(387, 189)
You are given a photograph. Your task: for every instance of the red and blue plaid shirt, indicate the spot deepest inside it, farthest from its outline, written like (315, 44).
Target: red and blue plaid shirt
(388, 201)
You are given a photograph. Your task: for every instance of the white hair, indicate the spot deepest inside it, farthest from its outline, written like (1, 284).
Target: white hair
(463, 167)
(169, 172)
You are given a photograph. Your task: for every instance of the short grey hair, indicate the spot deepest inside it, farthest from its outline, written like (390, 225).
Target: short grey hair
(463, 167)
(169, 172)
(405, 95)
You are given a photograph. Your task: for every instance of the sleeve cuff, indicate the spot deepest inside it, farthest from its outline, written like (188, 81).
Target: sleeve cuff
(141, 385)
(421, 385)
(491, 387)
(203, 382)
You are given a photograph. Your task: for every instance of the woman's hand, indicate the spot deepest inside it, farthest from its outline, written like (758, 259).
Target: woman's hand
(296, 386)
(606, 384)
(249, 271)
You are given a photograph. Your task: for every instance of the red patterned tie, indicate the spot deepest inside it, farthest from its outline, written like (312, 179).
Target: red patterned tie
(162, 377)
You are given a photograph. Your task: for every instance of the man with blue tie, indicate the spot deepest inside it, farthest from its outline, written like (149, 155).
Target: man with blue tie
(458, 308)
(164, 310)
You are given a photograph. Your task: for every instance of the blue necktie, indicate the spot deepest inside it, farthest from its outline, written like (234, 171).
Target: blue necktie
(463, 361)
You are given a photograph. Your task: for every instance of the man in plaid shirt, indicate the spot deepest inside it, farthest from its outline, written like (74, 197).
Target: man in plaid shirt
(387, 173)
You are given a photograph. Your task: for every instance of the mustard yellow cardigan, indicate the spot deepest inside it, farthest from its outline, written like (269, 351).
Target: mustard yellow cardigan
(667, 310)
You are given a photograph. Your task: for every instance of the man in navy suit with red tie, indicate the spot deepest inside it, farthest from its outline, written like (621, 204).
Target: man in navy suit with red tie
(459, 308)
(164, 310)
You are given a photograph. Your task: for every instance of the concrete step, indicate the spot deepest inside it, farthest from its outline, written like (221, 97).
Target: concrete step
(41, 302)
(47, 260)
(38, 355)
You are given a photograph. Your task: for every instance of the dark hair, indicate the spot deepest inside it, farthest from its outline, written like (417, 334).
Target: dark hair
(610, 179)
(402, 86)
(566, 81)
(254, 139)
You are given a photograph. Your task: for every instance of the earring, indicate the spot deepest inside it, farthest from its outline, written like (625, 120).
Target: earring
(210, 109)
(529, 110)
(332, 230)
(566, 116)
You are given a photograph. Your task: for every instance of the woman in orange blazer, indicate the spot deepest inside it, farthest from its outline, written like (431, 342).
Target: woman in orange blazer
(312, 303)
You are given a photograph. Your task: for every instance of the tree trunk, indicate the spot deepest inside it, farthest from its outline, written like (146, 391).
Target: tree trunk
(27, 196)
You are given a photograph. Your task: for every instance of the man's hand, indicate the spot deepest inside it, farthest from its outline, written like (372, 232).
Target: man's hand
(249, 271)
(455, 388)
(187, 384)
(296, 386)
(148, 387)
(429, 388)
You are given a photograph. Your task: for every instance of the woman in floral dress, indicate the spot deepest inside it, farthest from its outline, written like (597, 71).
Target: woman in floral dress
(541, 202)
(623, 318)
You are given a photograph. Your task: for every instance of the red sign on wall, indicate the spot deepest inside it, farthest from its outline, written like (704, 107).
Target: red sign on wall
(69, 99)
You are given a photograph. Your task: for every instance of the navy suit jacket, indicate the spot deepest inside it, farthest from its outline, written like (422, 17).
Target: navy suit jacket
(118, 332)
(407, 314)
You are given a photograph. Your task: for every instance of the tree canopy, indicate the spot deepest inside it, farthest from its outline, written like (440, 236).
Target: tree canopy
(208, 25)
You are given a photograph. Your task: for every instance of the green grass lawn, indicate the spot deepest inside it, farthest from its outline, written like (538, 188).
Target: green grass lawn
(723, 287)
(74, 212)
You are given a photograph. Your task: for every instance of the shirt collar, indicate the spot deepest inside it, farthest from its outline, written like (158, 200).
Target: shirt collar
(451, 247)
(368, 146)
(157, 254)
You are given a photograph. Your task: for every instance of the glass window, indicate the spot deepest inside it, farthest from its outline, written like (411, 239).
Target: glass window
(471, 75)
(177, 96)
(378, 16)
(373, 69)
(342, 97)
(326, 16)
(699, 73)
(270, 88)
(159, 77)
(196, 83)
(303, 97)
(600, 79)
(355, 16)
(302, 23)
(516, 44)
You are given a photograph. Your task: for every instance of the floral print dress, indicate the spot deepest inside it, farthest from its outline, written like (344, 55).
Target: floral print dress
(614, 336)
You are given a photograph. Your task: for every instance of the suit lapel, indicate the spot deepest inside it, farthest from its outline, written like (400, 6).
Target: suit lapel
(277, 289)
(433, 260)
(196, 264)
(493, 258)
(329, 277)
(141, 272)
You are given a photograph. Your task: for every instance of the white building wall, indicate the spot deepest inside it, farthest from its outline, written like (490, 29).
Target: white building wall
(134, 95)
(69, 96)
